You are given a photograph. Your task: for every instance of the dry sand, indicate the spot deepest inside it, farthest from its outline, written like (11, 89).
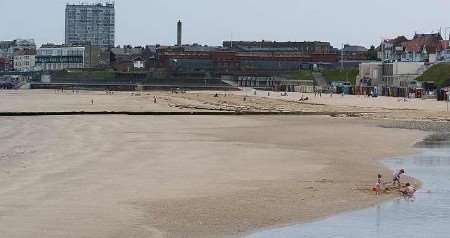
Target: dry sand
(371, 108)
(360, 101)
(181, 176)
(56, 101)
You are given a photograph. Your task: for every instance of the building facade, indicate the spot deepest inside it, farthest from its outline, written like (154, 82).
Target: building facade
(391, 50)
(90, 24)
(397, 74)
(354, 52)
(370, 74)
(25, 60)
(24, 49)
(96, 57)
(4, 64)
(306, 47)
(248, 62)
(56, 58)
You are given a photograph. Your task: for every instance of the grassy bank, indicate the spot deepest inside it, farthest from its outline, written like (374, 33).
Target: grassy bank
(341, 75)
(302, 75)
(85, 75)
(439, 74)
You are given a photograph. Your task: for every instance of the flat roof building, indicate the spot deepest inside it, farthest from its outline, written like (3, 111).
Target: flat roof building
(58, 57)
(90, 24)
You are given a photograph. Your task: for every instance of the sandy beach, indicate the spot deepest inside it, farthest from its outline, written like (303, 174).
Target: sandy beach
(184, 176)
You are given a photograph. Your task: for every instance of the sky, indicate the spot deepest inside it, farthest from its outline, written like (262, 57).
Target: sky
(209, 22)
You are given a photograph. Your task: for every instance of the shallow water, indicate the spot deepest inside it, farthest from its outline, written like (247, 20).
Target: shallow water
(428, 215)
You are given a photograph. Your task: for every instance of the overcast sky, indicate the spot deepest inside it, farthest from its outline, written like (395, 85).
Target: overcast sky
(140, 22)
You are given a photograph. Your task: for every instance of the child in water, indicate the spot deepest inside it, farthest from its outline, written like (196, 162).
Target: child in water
(408, 190)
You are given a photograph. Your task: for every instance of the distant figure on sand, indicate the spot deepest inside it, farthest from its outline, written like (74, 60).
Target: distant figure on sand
(408, 190)
(396, 177)
(379, 185)
(302, 99)
(154, 99)
(92, 101)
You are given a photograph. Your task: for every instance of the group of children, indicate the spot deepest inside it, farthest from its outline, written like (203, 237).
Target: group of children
(408, 190)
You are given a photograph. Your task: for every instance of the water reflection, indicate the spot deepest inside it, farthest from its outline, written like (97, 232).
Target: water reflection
(426, 215)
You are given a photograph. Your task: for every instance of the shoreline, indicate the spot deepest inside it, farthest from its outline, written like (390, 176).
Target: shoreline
(384, 199)
(389, 214)
(431, 140)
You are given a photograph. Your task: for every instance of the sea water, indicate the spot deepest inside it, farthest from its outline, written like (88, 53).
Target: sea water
(427, 215)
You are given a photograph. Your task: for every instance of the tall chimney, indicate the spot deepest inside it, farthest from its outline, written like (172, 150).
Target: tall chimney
(179, 33)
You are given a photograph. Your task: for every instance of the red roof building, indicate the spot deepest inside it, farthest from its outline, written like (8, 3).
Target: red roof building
(432, 43)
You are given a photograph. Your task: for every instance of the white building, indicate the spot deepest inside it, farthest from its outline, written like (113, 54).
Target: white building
(55, 58)
(370, 74)
(24, 63)
(403, 74)
(138, 63)
(397, 74)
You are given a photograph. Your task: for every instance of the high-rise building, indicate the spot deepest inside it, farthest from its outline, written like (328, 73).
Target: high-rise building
(92, 24)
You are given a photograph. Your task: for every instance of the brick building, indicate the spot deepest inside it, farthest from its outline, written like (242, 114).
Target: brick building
(227, 61)
(307, 47)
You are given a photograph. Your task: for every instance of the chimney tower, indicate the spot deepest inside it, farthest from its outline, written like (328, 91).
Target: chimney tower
(179, 33)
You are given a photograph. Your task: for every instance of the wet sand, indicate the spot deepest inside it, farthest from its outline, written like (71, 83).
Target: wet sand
(184, 176)
(425, 213)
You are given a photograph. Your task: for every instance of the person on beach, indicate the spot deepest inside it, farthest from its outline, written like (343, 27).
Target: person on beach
(408, 190)
(396, 177)
(379, 185)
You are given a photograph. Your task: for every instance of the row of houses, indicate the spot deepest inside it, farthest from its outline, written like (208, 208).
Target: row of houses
(421, 48)
(401, 61)
(232, 56)
(24, 56)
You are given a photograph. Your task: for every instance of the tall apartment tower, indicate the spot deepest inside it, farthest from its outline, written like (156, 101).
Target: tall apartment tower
(92, 24)
(179, 33)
